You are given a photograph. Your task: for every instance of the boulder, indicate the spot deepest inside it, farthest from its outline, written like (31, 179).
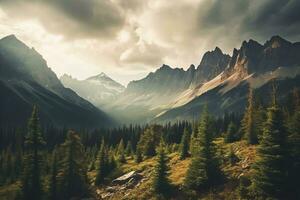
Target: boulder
(131, 176)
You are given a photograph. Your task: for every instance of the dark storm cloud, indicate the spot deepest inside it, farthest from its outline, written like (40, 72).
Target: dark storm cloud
(73, 18)
(275, 17)
(130, 33)
(251, 18)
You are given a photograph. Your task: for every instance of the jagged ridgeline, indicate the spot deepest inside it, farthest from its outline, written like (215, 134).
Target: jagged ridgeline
(219, 80)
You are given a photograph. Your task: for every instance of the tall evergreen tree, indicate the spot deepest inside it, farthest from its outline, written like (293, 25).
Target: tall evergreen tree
(53, 178)
(260, 118)
(184, 144)
(121, 152)
(149, 140)
(32, 188)
(112, 162)
(230, 134)
(72, 177)
(270, 170)
(138, 155)
(101, 164)
(193, 138)
(294, 151)
(8, 168)
(129, 149)
(161, 183)
(248, 122)
(204, 170)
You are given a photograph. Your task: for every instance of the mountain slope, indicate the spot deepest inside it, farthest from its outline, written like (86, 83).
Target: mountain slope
(253, 64)
(145, 98)
(25, 79)
(99, 89)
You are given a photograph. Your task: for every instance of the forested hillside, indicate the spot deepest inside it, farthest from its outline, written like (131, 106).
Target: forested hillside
(250, 156)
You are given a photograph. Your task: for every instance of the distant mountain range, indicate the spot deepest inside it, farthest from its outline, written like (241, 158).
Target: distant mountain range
(99, 90)
(25, 80)
(220, 81)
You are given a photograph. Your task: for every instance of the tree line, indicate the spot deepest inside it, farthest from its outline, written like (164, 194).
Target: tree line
(54, 163)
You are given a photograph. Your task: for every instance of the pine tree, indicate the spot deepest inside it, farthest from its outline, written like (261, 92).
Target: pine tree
(294, 150)
(8, 168)
(230, 134)
(248, 123)
(138, 156)
(53, 179)
(204, 170)
(269, 177)
(19, 153)
(160, 182)
(184, 145)
(129, 149)
(101, 165)
(193, 139)
(31, 177)
(112, 162)
(72, 177)
(121, 152)
(149, 140)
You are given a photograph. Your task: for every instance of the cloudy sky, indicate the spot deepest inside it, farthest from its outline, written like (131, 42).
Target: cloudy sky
(127, 39)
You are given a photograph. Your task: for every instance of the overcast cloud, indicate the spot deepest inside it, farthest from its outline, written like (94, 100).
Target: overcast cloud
(129, 38)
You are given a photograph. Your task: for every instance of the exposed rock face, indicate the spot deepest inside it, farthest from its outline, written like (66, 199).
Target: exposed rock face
(253, 64)
(211, 65)
(166, 89)
(145, 98)
(253, 57)
(25, 79)
(169, 80)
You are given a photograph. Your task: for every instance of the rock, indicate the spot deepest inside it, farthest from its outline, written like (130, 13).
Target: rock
(110, 189)
(98, 192)
(103, 196)
(131, 176)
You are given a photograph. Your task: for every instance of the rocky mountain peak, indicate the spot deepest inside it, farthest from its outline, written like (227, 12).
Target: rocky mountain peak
(213, 57)
(164, 67)
(276, 42)
(98, 76)
(66, 76)
(12, 42)
(192, 68)
(250, 45)
(253, 57)
(212, 64)
(105, 80)
(10, 37)
(218, 50)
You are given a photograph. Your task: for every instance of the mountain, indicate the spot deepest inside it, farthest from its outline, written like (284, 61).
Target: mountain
(99, 89)
(220, 80)
(255, 65)
(211, 65)
(25, 80)
(143, 99)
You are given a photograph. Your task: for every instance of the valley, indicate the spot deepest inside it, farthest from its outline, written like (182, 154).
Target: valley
(218, 131)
